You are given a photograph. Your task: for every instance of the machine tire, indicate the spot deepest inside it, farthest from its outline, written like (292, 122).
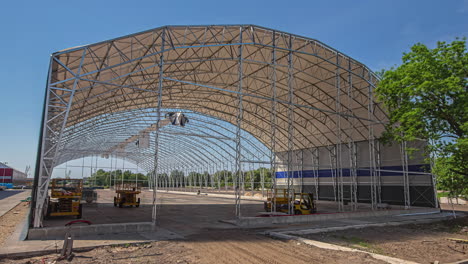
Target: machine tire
(122, 201)
(115, 201)
(297, 212)
(80, 212)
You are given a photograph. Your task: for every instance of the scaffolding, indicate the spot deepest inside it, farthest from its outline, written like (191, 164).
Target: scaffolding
(258, 100)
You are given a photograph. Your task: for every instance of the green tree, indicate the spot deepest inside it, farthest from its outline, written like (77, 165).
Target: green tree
(103, 178)
(427, 98)
(450, 180)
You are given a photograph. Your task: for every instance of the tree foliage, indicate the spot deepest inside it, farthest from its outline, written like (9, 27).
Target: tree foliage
(427, 99)
(449, 180)
(177, 178)
(106, 178)
(222, 178)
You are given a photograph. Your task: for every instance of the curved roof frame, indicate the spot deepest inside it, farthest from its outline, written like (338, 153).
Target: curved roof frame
(287, 91)
(206, 133)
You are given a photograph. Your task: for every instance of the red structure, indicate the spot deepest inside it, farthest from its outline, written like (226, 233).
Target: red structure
(10, 175)
(6, 175)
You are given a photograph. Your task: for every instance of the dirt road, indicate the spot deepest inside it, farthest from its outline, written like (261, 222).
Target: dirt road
(213, 246)
(11, 219)
(246, 247)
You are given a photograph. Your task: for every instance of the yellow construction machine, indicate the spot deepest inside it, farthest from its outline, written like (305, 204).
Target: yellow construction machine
(300, 203)
(65, 198)
(127, 195)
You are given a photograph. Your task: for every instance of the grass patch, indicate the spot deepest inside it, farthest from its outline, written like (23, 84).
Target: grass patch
(360, 243)
(442, 194)
(446, 194)
(357, 241)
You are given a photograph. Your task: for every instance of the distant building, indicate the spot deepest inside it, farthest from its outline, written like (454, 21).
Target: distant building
(11, 176)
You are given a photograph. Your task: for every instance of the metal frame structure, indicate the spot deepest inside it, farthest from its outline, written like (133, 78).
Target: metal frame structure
(250, 93)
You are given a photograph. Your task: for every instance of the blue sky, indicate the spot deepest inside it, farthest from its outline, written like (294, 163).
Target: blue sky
(373, 32)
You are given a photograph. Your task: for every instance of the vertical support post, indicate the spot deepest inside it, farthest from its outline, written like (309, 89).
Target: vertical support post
(96, 168)
(404, 162)
(123, 170)
(339, 149)
(262, 176)
(290, 172)
(82, 168)
(353, 174)
(158, 123)
(252, 180)
(332, 153)
(115, 172)
(352, 145)
(273, 122)
(93, 181)
(372, 167)
(110, 173)
(206, 174)
(315, 171)
(378, 173)
(240, 113)
(225, 178)
(434, 182)
(301, 169)
(200, 178)
(219, 173)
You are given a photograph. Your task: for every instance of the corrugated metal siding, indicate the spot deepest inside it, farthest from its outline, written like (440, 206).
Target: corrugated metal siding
(6, 172)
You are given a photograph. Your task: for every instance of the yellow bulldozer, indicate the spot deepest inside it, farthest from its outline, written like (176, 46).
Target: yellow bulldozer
(300, 203)
(65, 198)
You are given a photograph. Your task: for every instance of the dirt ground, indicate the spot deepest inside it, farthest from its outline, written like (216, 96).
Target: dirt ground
(456, 207)
(11, 219)
(213, 246)
(209, 241)
(423, 243)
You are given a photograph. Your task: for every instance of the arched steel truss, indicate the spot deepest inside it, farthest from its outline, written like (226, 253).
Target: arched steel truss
(249, 92)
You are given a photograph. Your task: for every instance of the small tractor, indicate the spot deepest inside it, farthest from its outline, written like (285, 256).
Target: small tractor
(127, 195)
(65, 198)
(301, 203)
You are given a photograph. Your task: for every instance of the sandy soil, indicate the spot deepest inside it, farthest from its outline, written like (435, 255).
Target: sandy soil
(423, 243)
(11, 219)
(215, 246)
(209, 241)
(456, 207)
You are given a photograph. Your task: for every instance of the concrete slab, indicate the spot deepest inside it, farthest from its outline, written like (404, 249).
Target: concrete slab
(11, 198)
(188, 213)
(343, 224)
(185, 214)
(256, 222)
(84, 230)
